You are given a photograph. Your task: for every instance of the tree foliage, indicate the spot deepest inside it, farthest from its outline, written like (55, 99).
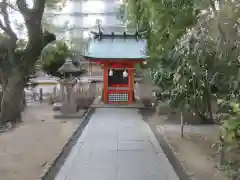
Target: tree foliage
(194, 53)
(54, 55)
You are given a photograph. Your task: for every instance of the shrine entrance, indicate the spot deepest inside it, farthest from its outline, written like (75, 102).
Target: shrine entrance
(118, 82)
(118, 86)
(118, 55)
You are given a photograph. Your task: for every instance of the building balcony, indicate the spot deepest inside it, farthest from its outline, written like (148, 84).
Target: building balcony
(81, 14)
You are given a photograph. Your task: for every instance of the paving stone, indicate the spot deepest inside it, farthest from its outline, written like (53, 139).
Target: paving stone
(116, 145)
(135, 145)
(69, 162)
(139, 165)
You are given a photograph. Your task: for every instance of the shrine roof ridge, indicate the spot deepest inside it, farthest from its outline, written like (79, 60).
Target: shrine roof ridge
(117, 47)
(100, 35)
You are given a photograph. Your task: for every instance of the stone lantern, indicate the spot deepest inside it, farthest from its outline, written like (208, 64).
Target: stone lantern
(69, 105)
(68, 67)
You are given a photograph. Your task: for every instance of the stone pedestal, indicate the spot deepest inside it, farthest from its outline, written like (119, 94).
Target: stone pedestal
(57, 106)
(69, 105)
(68, 108)
(62, 91)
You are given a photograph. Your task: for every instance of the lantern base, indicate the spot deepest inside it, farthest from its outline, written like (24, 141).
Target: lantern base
(68, 108)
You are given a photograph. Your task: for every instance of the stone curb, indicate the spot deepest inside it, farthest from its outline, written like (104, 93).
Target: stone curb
(181, 161)
(68, 116)
(173, 157)
(49, 166)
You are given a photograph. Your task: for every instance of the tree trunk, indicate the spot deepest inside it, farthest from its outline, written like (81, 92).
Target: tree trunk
(205, 119)
(1, 95)
(221, 149)
(24, 103)
(182, 125)
(208, 100)
(3, 82)
(11, 106)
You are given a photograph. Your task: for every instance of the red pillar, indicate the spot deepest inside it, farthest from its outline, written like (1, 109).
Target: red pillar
(131, 82)
(105, 83)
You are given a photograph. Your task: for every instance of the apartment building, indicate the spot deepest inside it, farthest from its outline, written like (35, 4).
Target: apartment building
(78, 17)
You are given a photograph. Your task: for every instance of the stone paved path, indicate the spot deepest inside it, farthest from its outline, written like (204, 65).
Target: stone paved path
(116, 145)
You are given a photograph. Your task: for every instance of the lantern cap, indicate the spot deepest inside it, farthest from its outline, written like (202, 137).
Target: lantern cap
(68, 66)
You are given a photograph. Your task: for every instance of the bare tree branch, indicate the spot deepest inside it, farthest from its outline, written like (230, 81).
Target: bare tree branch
(6, 27)
(23, 8)
(33, 20)
(12, 6)
(39, 6)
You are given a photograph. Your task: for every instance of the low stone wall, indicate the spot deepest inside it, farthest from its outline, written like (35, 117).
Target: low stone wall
(83, 94)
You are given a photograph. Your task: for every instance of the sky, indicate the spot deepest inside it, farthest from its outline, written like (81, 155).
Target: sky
(92, 6)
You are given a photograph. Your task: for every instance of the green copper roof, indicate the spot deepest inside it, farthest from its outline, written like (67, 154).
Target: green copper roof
(117, 48)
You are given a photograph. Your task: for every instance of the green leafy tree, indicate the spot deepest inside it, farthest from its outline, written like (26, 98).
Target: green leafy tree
(185, 47)
(230, 134)
(53, 57)
(194, 54)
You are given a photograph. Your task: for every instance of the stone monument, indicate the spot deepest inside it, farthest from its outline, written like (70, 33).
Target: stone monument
(69, 105)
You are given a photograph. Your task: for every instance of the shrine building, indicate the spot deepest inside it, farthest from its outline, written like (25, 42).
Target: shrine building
(118, 54)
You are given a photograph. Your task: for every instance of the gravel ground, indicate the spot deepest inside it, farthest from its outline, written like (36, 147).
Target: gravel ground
(26, 150)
